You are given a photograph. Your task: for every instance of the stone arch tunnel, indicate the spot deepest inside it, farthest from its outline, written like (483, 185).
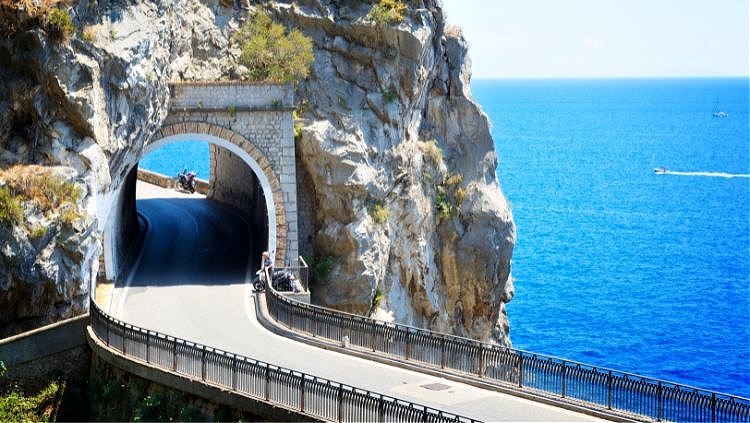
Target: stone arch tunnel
(249, 129)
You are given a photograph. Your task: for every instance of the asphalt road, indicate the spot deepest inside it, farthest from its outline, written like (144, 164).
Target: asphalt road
(190, 283)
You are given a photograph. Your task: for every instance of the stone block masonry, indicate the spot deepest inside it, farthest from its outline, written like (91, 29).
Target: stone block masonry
(257, 118)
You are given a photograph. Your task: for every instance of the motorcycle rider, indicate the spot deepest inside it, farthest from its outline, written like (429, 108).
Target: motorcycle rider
(266, 264)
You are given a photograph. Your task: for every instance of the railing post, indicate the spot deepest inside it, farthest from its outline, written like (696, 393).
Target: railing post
(124, 341)
(372, 339)
(480, 352)
(520, 370)
(107, 320)
(234, 373)
(148, 350)
(302, 393)
(658, 402)
(315, 319)
(291, 317)
(442, 352)
(564, 372)
(268, 382)
(407, 347)
(203, 363)
(341, 403)
(609, 390)
(713, 407)
(381, 410)
(424, 414)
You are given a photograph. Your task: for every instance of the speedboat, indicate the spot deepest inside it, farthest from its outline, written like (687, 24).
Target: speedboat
(720, 114)
(660, 170)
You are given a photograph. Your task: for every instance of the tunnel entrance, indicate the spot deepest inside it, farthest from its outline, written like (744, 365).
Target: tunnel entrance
(234, 180)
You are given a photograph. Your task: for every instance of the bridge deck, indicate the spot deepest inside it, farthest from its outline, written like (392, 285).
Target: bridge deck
(217, 312)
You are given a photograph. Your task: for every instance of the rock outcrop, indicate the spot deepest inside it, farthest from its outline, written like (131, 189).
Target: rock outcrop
(405, 196)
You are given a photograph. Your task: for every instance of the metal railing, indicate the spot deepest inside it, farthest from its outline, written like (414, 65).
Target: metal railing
(289, 389)
(595, 387)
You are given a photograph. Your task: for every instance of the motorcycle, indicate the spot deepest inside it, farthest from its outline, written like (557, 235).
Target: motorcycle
(186, 180)
(281, 280)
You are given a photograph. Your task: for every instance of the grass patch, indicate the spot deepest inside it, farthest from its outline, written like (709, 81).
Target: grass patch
(387, 12)
(11, 212)
(43, 407)
(89, 34)
(434, 151)
(270, 53)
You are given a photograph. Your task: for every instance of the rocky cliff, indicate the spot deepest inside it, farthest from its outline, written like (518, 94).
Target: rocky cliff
(403, 195)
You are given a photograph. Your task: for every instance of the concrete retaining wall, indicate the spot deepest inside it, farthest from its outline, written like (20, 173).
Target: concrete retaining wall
(45, 341)
(55, 352)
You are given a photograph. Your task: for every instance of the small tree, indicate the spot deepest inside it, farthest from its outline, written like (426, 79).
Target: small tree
(270, 54)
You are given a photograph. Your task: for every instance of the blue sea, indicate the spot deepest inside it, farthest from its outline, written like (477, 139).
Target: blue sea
(615, 265)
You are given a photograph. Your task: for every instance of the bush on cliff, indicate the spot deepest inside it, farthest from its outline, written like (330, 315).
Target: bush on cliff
(387, 12)
(23, 14)
(270, 54)
(40, 187)
(59, 24)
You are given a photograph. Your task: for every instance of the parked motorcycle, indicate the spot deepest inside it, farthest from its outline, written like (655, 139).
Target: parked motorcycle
(281, 280)
(186, 180)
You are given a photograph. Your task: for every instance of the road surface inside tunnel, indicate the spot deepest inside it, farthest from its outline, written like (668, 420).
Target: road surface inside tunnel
(190, 283)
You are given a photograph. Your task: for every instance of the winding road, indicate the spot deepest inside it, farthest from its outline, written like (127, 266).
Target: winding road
(190, 283)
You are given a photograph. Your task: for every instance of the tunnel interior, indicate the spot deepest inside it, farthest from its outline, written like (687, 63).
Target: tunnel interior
(232, 184)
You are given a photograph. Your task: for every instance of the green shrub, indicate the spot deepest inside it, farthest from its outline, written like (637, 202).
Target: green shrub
(232, 110)
(320, 268)
(389, 96)
(387, 12)
(270, 54)
(380, 213)
(3, 369)
(191, 413)
(376, 299)
(112, 34)
(11, 212)
(43, 407)
(442, 205)
(297, 126)
(459, 195)
(59, 24)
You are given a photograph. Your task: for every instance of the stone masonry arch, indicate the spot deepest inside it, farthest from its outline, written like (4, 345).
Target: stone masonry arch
(255, 159)
(249, 128)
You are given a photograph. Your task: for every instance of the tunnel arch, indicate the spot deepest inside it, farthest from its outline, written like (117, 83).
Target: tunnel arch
(231, 141)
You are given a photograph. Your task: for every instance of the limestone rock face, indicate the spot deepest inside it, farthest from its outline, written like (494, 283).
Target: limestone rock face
(404, 193)
(390, 125)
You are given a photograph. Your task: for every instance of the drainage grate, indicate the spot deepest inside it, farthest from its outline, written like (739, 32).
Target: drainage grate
(436, 386)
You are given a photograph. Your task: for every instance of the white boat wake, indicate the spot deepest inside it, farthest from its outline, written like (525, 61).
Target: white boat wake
(711, 174)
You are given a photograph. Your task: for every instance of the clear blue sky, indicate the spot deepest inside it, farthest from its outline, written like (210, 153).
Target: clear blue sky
(604, 38)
